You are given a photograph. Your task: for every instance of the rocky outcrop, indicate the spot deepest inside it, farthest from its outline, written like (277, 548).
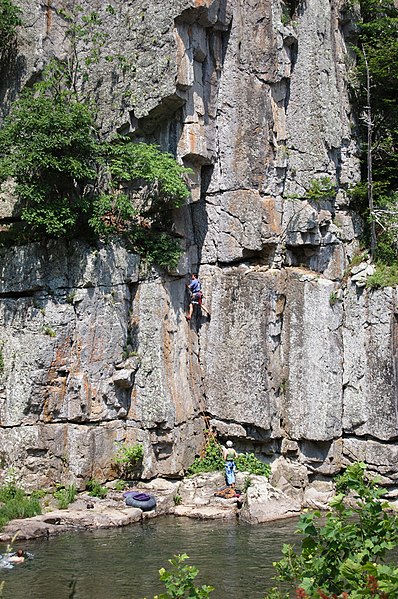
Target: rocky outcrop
(192, 498)
(298, 360)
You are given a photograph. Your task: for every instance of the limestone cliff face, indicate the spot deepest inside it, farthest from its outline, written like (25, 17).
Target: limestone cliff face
(297, 362)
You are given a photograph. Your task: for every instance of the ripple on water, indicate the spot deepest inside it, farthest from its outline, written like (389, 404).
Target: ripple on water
(123, 563)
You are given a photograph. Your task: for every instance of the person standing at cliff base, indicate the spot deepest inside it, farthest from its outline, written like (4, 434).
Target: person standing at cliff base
(230, 455)
(195, 290)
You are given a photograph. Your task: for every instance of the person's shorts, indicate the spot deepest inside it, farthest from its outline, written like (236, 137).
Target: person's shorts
(196, 298)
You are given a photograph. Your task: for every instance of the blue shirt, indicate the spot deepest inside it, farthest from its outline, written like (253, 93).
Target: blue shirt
(195, 286)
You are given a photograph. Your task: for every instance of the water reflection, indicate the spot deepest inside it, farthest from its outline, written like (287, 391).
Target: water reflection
(123, 563)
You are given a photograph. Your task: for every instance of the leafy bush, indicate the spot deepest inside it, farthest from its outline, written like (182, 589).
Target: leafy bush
(17, 504)
(247, 462)
(212, 459)
(128, 458)
(340, 555)
(321, 189)
(10, 18)
(180, 581)
(71, 182)
(95, 489)
(65, 496)
(384, 276)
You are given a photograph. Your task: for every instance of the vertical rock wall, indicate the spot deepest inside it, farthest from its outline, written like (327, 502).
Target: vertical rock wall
(297, 361)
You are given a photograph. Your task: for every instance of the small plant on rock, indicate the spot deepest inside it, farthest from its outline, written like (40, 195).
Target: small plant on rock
(120, 485)
(321, 189)
(128, 458)
(65, 496)
(247, 483)
(95, 489)
(49, 331)
(333, 298)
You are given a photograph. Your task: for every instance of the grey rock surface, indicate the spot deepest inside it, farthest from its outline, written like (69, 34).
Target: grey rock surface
(264, 503)
(297, 358)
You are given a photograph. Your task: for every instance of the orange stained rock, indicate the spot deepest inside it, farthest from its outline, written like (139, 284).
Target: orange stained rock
(273, 215)
(49, 15)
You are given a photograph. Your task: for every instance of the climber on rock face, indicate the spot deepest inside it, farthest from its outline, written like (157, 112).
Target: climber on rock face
(195, 290)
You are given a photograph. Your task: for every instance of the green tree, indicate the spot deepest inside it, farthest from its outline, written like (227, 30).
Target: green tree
(71, 181)
(376, 95)
(341, 555)
(10, 19)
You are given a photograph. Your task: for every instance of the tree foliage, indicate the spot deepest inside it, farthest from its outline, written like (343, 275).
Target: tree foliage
(342, 555)
(70, 180)
(10, 19)
(179, 581)
(376, 95)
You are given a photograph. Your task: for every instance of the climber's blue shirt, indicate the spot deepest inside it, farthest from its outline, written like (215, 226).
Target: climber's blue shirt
(195, 286)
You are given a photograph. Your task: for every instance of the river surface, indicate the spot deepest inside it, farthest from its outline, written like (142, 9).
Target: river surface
(123, 563)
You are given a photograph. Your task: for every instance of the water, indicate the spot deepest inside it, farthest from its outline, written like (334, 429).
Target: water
(123, 563)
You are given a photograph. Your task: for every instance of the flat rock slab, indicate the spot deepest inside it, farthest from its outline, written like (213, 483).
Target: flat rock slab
(208, 512)
(66, 520)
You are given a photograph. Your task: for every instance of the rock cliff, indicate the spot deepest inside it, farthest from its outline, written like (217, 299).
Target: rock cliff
(298, 359)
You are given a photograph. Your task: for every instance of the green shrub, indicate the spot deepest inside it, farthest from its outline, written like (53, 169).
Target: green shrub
(128, 459)
(247, 462)
(17, 504)
(212, 459)
(21, 506)
(95, 489)
(321, 189)
(120, 485)
(65, 496)
(40, 493)
(384, 276)
(340, 554)
(10, 19)
(72, 182)
(180, 581)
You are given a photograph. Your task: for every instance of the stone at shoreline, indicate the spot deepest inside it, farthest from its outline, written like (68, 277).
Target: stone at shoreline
(192, 497)
(102, 516)
(264, 503)
(207, 512)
